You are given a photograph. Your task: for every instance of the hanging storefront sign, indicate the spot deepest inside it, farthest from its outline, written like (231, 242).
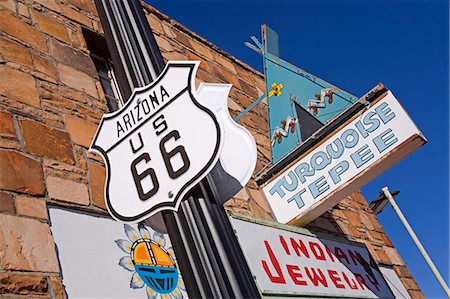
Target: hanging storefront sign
(166, 139)
(103, 258)
(359, 150)
(290, 261)
(299, 102)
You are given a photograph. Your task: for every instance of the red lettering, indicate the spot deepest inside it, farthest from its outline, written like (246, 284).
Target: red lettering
(336, 279)
(295, 275)
(284, 244)
(360, 280)
(339, 253)
(329, 253)
(300, 246)
(373, 281)
(275, 279)
(356, 257)
(316, 247)
(315, 279)
(351, 283)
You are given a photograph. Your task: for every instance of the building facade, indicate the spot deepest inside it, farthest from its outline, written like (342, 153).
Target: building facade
(56, 82)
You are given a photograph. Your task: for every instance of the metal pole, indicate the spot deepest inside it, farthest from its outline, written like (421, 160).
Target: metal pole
(210, 258)
(416, 240)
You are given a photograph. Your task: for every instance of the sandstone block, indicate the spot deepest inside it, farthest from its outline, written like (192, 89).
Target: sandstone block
(225, 76)
(245, 74)
(15, 52)
(20, 174)
(387, 241)
(173, 56)
(410, 284)
(31, 206)
(7, 203)
(393, 255)
(155, 23)
(6, 125)
(45, 66)
(44, 141)
(257, 211)
(181, 38)
(76, 16)
(23, 284)
(86, 5)
(52, 4)
(353, 218)
(21, 30)
(9, 4)
(50, 26)
(81, 131)
(259, 197)
(97, 178)
(77, 80)
(57, 287)
(25, 92)
(416, 294)
(67, 190)
(249, 89)
(201, 49)
(225, 62)
(402, 271)
(26, 244)
(365, 220)
(243, 194)
(164, 44)
(22, 9)
(73, 58)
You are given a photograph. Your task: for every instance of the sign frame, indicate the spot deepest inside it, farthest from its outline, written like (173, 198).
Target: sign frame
(297, 230)
(383, 162)
(192, 94)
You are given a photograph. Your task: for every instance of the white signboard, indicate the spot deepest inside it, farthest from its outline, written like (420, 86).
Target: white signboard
(372, 142)
(289, 263)
(103, 258)
(168, 137)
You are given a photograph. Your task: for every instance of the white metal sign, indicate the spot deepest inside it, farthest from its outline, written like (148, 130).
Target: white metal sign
(372, 142)
(103, 258)
(287, 263)
(159, 145)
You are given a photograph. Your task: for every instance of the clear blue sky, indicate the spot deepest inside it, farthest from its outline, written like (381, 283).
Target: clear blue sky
(355, 45)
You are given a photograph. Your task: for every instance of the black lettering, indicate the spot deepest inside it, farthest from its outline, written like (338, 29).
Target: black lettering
(160, 125)
(119, 129)
(154, 99)
(145, 105)
(140, 146)
(138, 177)
(169, 155)
(126, 120)
(163, 93)
(138, 112)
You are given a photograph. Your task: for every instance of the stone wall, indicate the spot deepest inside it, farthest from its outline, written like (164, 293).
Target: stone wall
(51, 101)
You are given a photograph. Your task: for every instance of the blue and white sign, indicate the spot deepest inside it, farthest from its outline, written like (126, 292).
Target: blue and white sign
(373, 141)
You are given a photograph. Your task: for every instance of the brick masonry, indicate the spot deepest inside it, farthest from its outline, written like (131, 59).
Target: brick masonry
(50, 104)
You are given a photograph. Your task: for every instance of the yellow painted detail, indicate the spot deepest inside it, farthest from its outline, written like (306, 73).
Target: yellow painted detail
(141, 254)
(276, 89)
(161, 257)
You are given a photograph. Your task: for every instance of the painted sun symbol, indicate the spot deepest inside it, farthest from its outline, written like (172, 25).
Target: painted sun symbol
(152, 265)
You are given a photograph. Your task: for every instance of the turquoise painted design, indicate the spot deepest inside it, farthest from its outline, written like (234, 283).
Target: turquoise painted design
(299, 103)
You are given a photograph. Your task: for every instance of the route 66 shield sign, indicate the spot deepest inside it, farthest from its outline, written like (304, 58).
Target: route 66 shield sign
(158, 145)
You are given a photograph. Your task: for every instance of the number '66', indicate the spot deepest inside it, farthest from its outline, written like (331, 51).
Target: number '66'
(167, 156)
